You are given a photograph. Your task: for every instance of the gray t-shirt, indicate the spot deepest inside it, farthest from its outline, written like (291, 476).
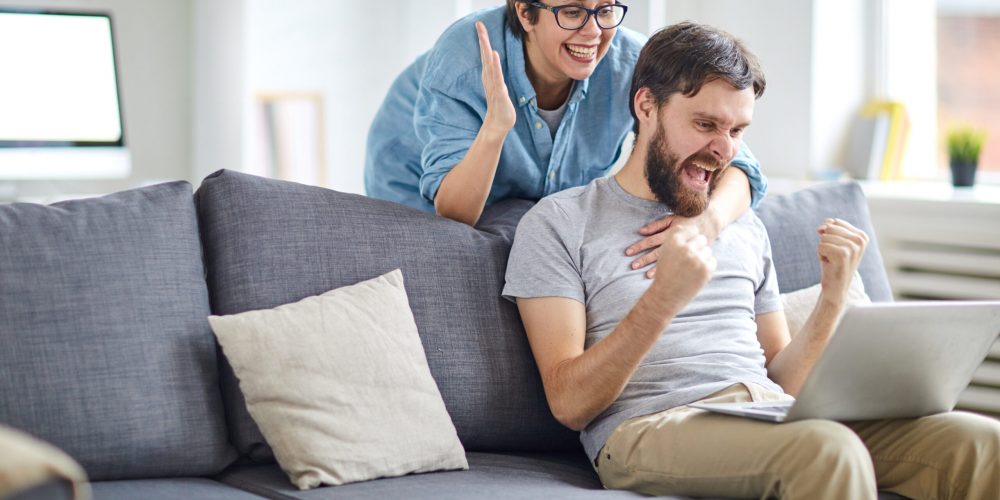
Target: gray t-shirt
(572, 244)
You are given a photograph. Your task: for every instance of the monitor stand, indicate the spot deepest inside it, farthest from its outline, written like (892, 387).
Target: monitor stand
(64, 163)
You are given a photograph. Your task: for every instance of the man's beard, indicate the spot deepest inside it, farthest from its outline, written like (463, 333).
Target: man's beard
(663, 174)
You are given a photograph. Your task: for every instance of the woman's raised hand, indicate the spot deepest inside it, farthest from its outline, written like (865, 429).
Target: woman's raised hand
(500, 113)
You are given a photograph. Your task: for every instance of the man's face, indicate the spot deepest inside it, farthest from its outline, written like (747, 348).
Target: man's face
(695, 139)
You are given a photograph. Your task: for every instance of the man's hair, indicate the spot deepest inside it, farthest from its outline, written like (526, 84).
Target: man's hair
(682, 57)
(514, 22)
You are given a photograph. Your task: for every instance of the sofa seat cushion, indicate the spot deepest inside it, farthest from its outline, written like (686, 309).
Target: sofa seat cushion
(549, 476)
(105, 348)
(514, 476)
(54, 489)
(270, 242)
(168, 489)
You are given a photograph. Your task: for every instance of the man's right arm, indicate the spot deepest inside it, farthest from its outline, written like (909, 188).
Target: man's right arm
(580, 384)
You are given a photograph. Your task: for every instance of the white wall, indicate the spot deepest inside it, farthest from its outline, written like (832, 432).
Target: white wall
(217, 87)
(154, 62)
(824, 59)
(814, 57)
(302, 46)
(190, 69)
(911, 77)
(841, 85)
(310, 45)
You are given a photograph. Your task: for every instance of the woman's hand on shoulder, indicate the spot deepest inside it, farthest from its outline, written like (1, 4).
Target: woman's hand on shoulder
(655, 232)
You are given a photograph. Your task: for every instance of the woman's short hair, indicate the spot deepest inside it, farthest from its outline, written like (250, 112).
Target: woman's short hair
(514, 23)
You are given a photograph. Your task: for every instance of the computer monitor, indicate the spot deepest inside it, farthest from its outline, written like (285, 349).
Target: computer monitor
(60, 112)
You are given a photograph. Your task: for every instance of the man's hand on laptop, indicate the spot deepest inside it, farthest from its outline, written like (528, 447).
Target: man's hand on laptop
(840, 249)
(685, 264)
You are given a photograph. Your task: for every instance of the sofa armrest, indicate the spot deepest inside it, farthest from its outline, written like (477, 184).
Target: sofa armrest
(30, 468)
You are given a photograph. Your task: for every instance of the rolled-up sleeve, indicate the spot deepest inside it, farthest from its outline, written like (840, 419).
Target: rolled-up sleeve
(746, 162)
(446, 121)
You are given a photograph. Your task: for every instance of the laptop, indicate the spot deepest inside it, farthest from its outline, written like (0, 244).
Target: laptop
(889, 360)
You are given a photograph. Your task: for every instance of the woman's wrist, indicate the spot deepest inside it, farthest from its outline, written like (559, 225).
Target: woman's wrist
(492, 135)
(713, 221)
(491, 130)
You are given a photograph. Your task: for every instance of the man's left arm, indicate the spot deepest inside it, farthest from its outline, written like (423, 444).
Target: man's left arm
(789, 362)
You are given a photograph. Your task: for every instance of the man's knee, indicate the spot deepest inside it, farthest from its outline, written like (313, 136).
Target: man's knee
(826, 445)
(974, 439)
(822, 457)
(974, 425)
(961, 451)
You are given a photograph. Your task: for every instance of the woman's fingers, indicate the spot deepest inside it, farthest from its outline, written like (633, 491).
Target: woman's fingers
(485, 49)
(656, 226)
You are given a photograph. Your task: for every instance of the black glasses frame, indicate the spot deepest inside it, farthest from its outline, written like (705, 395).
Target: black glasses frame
(590, 13)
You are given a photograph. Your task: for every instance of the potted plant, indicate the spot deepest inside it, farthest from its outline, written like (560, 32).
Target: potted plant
(964, 146)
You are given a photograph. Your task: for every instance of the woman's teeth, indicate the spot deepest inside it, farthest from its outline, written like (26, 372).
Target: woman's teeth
(580, 51)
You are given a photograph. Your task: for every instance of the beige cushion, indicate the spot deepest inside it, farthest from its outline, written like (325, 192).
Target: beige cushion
(26, 462)
(800, 303)
(339, 385)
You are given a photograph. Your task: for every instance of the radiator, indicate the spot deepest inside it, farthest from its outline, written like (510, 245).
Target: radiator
(944, 244)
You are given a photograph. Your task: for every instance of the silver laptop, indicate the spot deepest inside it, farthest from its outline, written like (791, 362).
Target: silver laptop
(889, 360)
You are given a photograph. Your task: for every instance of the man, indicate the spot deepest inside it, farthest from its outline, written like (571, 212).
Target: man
(620, 355)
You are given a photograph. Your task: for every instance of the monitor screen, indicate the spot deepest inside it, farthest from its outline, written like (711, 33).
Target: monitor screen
(59, 91)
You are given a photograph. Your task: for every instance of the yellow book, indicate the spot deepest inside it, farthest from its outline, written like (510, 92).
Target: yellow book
(897, 135)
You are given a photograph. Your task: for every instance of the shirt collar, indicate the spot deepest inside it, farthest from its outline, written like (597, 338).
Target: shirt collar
(517, 73)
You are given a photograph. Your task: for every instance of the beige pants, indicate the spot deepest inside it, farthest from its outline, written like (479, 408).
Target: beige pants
(684, 451)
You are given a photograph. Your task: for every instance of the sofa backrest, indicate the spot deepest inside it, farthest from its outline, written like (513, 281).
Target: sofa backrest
(270, 242)
(105, 347)
(791, 220)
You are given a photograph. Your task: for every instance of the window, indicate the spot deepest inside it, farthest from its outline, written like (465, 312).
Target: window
(968, 41)
(938, 57)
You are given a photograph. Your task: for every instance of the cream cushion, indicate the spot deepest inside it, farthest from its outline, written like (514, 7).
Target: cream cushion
(340, 387)
(800, 303)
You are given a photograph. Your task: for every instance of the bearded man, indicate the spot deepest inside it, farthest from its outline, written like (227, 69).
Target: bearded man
(620, 355)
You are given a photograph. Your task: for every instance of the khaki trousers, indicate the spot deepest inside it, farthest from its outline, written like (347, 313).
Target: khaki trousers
(684, 451)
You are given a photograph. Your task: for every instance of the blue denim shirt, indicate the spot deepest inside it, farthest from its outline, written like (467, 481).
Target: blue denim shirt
(435, 108)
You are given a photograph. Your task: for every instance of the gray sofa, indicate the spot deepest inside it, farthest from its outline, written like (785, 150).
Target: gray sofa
(105, 350)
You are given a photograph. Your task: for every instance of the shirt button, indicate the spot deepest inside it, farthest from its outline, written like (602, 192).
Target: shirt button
(538, 125)
(522, 99)
(552, 175)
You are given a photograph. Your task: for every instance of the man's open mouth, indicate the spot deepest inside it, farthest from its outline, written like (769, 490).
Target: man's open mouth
(699, 174)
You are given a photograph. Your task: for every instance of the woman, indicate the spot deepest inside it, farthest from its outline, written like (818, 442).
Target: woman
(538, 104)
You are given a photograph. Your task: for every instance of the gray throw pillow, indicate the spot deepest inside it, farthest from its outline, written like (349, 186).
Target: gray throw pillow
(105, 347)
